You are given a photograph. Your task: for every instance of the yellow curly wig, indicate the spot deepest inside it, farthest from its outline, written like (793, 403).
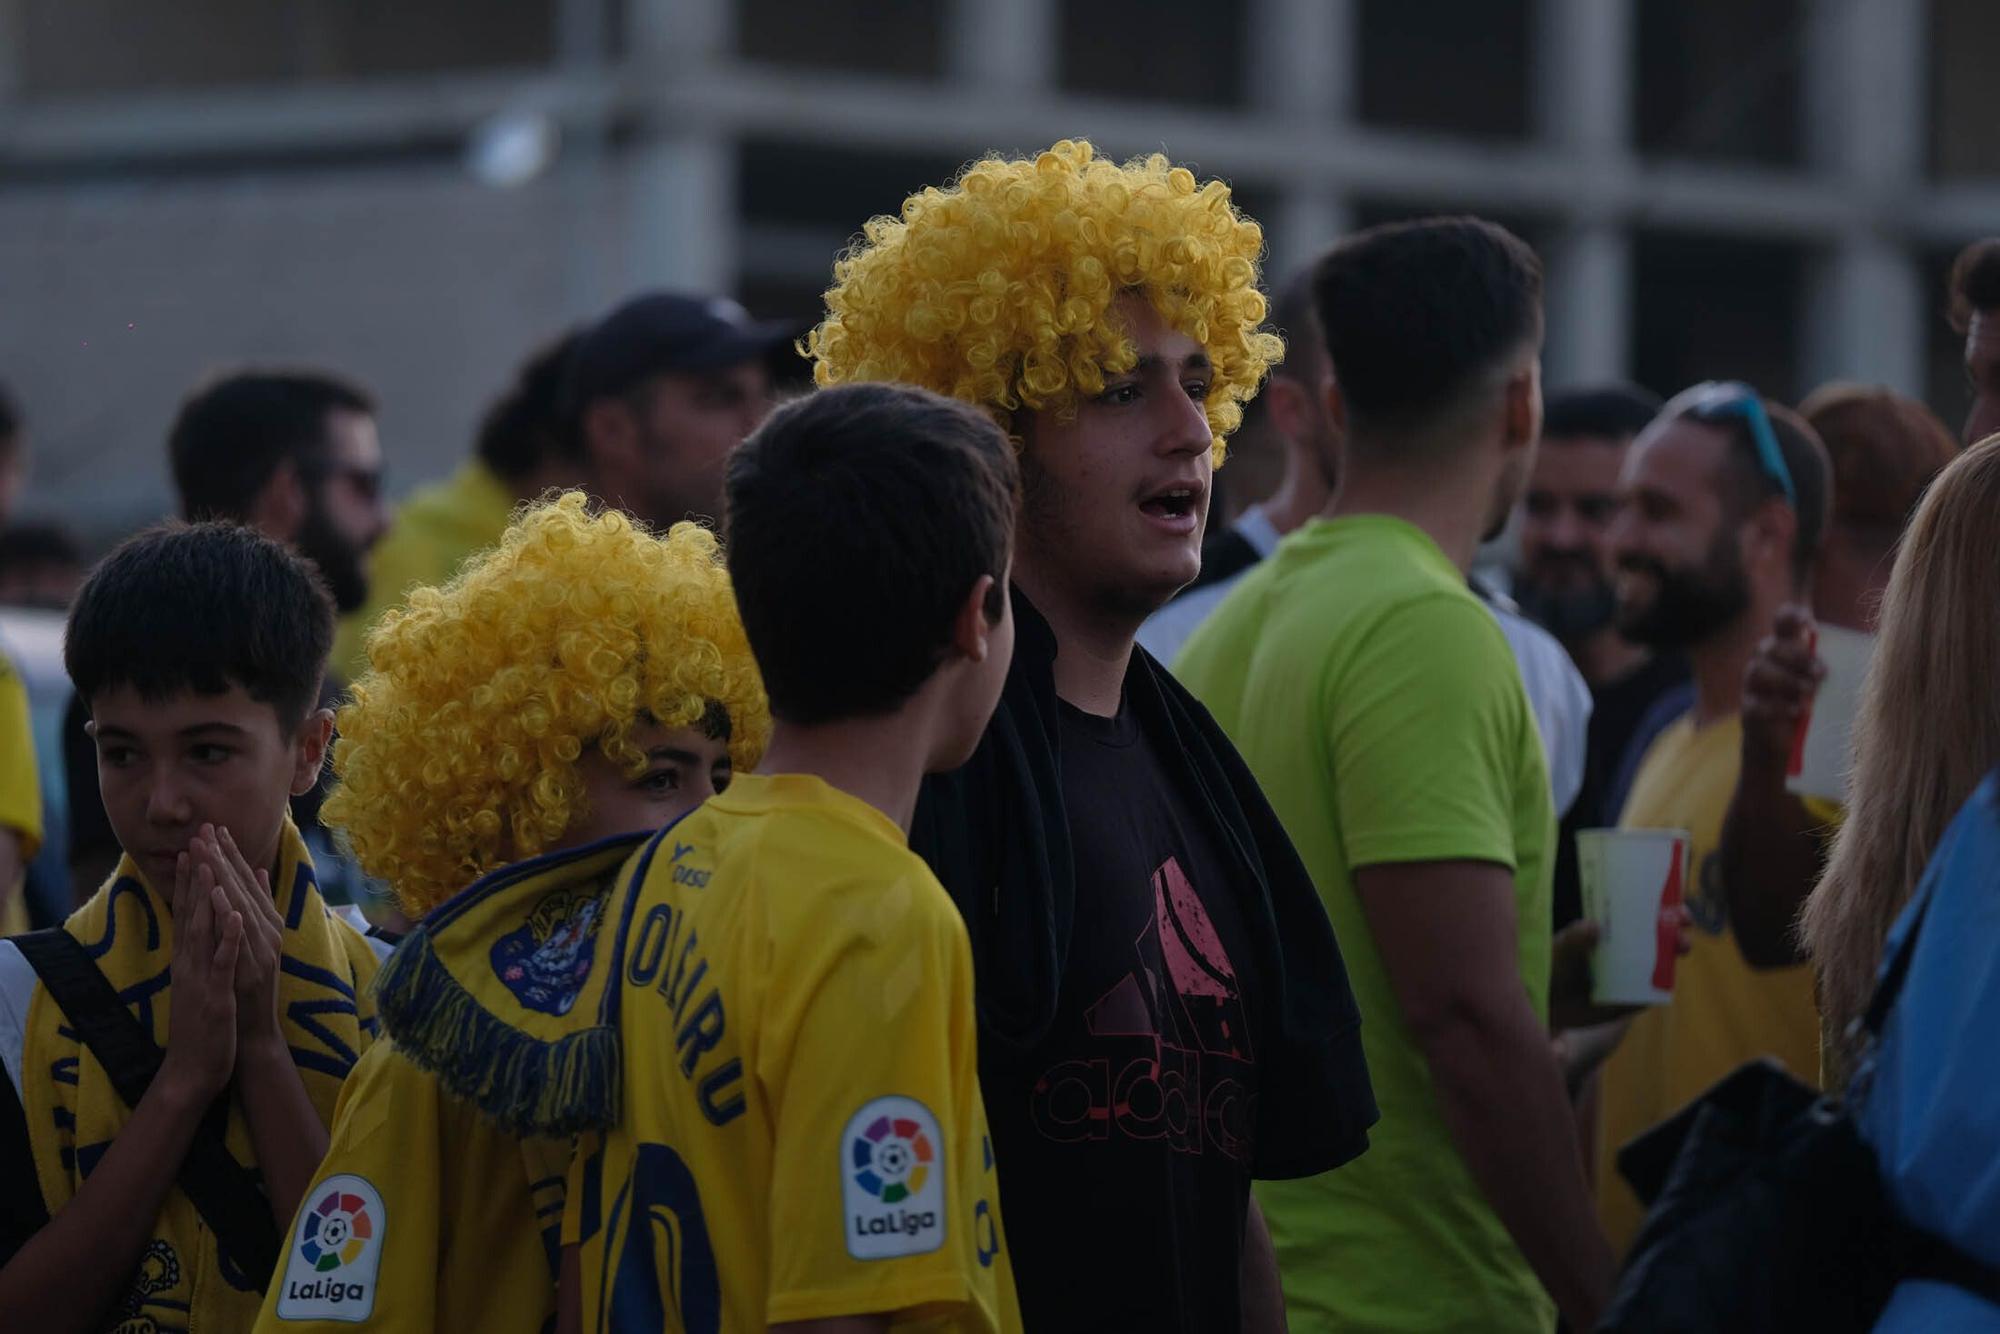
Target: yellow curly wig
(995, 289)
(458, 753)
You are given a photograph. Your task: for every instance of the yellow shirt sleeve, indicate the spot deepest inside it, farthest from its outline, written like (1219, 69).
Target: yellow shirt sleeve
(20, 783)
(419, 1218)
(364, 1243)
(869, 1065)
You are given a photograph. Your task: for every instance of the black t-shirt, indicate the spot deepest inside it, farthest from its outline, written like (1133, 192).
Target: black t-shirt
(1617, 708)
(1126, 1136)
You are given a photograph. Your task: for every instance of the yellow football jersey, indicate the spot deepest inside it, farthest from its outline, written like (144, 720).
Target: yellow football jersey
(801, 1134)
(423, 1216)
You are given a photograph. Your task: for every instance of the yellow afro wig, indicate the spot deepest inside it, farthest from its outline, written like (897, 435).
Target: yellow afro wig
(997, 289)
(459, 751)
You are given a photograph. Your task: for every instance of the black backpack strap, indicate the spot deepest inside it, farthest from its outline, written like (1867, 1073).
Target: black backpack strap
(224, 1191)
(126, 1051)
(22, 1213)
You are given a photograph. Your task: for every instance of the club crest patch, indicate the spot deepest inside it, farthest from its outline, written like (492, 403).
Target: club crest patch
(331, 1267)
(546, 960)
(892, 1180)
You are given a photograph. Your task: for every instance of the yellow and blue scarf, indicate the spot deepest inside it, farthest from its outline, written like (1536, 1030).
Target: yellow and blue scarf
(498, 992)
(497, 996)
(74, 1113)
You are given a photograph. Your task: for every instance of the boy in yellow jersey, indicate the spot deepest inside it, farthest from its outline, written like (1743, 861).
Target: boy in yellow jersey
(502, 723)
(801, 1143)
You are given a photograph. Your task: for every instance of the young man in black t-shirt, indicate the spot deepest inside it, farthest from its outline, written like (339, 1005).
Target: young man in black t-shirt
(1164, 1012)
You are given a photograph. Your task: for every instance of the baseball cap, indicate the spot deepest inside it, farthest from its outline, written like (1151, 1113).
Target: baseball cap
(661, 332)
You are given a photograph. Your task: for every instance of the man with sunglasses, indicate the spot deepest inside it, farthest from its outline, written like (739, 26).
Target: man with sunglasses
(1723, 505)
(294, 454)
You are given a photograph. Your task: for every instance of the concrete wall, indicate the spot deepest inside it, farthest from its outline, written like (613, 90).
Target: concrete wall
(416, 281)
(309, 203)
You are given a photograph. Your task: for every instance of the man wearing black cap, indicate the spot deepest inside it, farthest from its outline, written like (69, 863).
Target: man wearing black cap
(639, 409)
(660, 391)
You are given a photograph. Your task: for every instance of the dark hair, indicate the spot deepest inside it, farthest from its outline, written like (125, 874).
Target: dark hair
(38, 543)
(202, 607)
(858, 519)
(1415, 313)
(1975, 281)
(233, 433)
(529, 423)
(1610, 412)
(10, 423)
(1805, 459)
(1292, 318)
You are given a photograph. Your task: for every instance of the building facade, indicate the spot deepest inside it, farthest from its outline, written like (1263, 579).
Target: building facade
(416, 192)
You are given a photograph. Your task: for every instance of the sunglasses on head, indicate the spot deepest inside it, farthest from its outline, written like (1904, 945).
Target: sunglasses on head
(1721, 401)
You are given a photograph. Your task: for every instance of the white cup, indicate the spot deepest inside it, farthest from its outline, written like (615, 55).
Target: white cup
(1634, 881)
(1820, 750)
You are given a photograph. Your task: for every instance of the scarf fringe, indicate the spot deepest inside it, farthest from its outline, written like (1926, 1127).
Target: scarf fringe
(524, 1084)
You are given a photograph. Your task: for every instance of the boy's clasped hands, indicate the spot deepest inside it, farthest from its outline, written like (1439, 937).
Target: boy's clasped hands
(228, 941)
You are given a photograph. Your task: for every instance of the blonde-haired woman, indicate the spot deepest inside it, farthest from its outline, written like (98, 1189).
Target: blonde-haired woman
(1915, 878)
(1927, 730)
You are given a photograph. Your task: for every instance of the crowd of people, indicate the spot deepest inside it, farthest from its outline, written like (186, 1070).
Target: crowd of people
(889, 854)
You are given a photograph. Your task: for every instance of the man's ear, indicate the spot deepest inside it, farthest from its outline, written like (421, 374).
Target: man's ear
(1522, 402)
(280, 508)
(1286, 402)
(1336, 403)
(315, 734)
(971, 631)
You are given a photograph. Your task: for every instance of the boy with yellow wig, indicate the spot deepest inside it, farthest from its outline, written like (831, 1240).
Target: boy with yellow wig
(1164, 1011)
(523, 727)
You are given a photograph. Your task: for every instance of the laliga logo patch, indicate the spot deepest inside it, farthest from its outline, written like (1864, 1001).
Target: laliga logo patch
(330, 1273)
(892, 1178)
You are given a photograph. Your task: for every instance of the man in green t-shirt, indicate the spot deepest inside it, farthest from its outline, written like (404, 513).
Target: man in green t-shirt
(1381, 710)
